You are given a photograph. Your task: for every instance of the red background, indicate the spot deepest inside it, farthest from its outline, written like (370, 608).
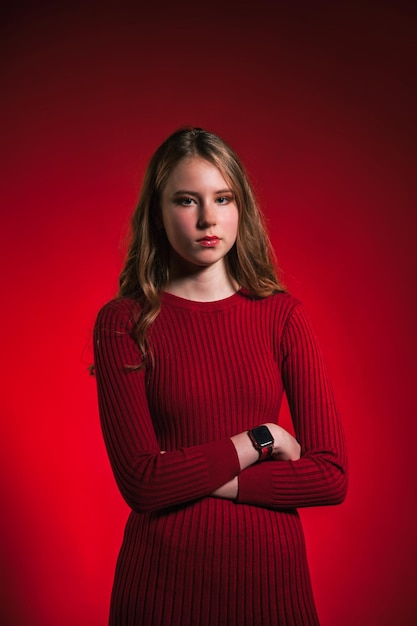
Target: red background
(318, 100)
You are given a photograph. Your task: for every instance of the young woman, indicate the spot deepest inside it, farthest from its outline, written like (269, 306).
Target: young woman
(192, 360)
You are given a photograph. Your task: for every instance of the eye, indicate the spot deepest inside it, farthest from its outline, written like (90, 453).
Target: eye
(224, 200)
(186, 201)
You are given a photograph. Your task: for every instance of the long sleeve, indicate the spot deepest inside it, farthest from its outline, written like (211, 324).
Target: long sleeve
(319, 477)
(147, 479)
(218, 369)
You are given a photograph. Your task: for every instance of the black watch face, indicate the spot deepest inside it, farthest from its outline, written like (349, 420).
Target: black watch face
(263, 436)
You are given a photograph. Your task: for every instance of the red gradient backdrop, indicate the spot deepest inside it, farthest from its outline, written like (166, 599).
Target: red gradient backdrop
(318, 99)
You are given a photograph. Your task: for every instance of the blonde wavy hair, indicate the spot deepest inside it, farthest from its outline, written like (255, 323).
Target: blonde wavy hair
(251, 261)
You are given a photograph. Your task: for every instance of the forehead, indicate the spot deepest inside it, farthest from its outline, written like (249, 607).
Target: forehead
(195, 172)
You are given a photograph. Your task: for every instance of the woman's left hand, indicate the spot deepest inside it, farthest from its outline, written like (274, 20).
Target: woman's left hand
(286, 448)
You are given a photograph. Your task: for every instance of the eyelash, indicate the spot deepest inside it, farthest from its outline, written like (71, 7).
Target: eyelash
(185, 201)
(227, 198)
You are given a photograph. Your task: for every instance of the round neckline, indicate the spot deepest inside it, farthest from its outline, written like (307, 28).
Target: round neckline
(212, 305)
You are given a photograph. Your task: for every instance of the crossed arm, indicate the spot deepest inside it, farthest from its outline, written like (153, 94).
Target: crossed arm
(308, 471)
(286, 448)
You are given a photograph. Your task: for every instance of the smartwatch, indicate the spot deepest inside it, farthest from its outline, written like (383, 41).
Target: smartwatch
(262, 441)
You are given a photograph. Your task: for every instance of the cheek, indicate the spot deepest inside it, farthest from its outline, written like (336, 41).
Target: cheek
(232, 222)
(177, 226)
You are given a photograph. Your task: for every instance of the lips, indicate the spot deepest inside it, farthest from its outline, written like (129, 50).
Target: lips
(208, 241)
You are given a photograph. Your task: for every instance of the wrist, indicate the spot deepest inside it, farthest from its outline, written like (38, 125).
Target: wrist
(228, 491)
(262, 440)
(245, 451)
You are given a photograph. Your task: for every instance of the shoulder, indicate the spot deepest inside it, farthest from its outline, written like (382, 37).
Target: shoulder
(291, 319)
(297, 332)
(273, 313)
(118, 314)
(280, 304)
(285, 301)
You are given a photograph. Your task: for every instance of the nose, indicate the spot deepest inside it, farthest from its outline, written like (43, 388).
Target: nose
(207, 215)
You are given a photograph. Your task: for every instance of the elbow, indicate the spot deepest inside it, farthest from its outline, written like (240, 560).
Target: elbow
(330, 484)
(139, 498)
(339, 491)
(143, 504)
(139, 505)
(144, 491)
(337, 486)
(332, 478)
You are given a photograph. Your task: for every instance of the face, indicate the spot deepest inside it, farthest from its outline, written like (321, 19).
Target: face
(199, 213)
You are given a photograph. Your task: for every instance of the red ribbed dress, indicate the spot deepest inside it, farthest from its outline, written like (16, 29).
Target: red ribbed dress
(189, 559)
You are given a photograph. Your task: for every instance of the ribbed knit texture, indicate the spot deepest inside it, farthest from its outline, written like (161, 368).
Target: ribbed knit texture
(220, 368)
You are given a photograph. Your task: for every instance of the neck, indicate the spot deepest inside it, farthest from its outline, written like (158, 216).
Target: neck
(204, 284)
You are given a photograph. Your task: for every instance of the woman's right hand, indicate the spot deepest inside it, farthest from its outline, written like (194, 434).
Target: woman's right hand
(286, 447)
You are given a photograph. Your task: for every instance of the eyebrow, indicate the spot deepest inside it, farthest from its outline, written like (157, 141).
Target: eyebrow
(186, 192)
